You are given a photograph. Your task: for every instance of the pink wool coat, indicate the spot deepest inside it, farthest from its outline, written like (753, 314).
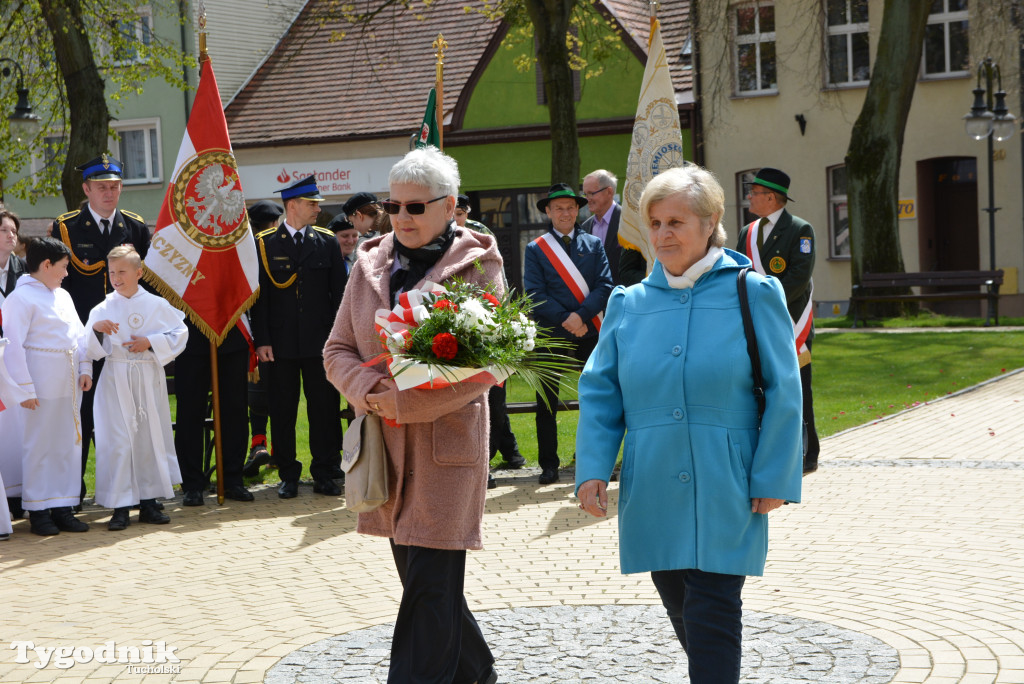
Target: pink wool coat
(437, 470)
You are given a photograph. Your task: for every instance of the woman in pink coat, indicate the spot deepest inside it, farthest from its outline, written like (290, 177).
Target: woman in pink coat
(438, 464)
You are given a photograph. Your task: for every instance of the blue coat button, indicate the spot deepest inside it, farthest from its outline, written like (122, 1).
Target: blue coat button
(678, 414)
(684, 477)
(677, 350)
(685, 297)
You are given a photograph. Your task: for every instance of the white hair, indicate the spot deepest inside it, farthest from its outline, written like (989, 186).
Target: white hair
(429, 167)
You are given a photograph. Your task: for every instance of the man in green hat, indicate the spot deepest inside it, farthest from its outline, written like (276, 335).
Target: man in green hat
(782, 245)
(567, 276)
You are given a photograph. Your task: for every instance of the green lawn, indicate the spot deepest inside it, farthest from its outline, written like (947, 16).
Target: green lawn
(858, 378)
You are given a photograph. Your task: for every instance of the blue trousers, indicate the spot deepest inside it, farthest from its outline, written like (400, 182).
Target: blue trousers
(706, 610)
(437, 640)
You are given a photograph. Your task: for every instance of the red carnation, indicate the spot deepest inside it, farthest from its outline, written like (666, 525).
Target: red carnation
(492, 299)
(446, 305)
(445, 346)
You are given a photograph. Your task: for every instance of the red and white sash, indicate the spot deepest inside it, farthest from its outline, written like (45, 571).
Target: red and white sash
(566, 270)
(803, 326)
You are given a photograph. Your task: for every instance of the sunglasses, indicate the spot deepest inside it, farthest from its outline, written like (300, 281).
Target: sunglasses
(414, 208)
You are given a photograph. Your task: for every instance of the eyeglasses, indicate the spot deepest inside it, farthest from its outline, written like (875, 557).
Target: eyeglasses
(591, 194)
(765, 192)
(414, 208)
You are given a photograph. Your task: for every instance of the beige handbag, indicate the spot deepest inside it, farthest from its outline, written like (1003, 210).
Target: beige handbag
(364, 461)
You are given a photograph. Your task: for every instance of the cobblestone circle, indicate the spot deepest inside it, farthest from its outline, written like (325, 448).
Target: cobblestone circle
(615, 643)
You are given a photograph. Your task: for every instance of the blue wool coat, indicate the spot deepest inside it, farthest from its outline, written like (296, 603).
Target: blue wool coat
(672, 373)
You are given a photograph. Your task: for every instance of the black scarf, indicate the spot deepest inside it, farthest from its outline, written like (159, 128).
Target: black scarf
(414, 263)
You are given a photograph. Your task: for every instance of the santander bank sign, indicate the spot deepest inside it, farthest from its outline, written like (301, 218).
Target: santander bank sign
(340, 178)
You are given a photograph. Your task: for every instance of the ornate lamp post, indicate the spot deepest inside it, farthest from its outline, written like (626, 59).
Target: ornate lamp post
(989, 118)
(22, 116)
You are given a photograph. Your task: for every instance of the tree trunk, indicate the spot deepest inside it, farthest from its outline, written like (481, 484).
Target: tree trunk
(876, 145)
(550, 19)
(87, 104)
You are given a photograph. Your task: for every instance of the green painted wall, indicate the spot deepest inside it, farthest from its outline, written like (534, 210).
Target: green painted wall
(506, 97)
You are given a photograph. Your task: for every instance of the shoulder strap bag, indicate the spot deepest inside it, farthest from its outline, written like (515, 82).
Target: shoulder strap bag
(365, 462)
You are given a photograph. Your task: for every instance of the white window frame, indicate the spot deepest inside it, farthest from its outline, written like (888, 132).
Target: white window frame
(744, 179)
(848, 30)
(756, 39)
(151, 124)
(143, 34)
(837, 202)
(945, 18)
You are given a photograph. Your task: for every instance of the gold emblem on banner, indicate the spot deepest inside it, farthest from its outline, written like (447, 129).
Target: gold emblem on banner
(208, 202)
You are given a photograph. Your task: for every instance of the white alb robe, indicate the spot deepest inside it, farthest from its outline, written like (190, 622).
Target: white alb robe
(135, 456)
(12, 430)
(44, 359)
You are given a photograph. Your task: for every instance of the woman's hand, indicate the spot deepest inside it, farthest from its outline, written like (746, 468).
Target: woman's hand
(765, 506)
(593, 496)
(383, 399)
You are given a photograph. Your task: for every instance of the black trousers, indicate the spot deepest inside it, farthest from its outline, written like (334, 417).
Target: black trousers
(192, 387)
(259, 404)
(811, 443)
(323, 408)
(546, 419)
(706, 612)
(437, 640)
(501, 436)
(86, 417)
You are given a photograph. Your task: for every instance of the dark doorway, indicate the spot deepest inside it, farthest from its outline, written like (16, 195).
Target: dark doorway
(947, 221)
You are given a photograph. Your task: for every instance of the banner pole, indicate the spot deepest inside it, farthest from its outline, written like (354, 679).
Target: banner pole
(440, 45)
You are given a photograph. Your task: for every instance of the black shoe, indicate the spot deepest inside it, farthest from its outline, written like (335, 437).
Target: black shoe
(289, 489)
(193, 497)
(14, 504)
(119, 520)
(491, 482)
(149, 513)
(42, 523)
(65, 520)
(548, 476)
(491, 678)
(615, 474)
(516, 463)
(258, 457)
(326, 487)
(810, 467)
(238, 493)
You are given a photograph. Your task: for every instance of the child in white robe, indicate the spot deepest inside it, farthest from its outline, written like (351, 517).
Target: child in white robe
(11, 434)
(138, 333)
(46, 360)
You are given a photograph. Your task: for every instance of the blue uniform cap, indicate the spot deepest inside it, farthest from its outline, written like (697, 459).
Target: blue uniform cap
(304, 188)
(101, 168)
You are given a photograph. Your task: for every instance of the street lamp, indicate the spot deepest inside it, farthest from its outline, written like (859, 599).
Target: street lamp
(22, 110)
(989, 118)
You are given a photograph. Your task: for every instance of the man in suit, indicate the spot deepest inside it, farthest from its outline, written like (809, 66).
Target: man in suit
(568, 278)
(302, 278)
(12, 266)
(599, 189)
(782, 245)
(90, 233)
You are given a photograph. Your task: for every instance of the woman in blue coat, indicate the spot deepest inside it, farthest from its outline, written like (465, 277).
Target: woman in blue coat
(671, 372)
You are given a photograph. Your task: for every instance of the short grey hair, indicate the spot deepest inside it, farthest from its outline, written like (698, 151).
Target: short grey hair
(702, 191)
(605, 179)
(429, 167)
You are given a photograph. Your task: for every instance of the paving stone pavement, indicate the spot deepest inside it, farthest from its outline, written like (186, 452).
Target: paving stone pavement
(909, 539)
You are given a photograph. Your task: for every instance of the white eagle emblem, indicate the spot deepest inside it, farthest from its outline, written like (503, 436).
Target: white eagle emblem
(220, 202)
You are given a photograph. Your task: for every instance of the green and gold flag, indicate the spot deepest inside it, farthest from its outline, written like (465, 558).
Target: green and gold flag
(428, 131)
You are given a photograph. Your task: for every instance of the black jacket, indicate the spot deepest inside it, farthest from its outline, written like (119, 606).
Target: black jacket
(299, 291)
(15, 269)
(87, 280)
(611, 241)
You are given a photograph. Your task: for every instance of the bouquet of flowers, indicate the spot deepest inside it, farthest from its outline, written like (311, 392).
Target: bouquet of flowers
(440, 336)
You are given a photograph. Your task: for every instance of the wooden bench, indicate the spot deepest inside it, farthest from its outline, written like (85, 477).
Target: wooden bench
(956, 285)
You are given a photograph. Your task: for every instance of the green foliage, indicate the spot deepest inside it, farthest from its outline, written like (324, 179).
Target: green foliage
(128, 53)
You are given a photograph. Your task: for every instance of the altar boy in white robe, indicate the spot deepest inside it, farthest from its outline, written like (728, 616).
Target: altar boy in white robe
(46, 359)
(138, 333)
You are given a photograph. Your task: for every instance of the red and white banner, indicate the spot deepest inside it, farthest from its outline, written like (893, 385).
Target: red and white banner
(566, 270)
(203, 256)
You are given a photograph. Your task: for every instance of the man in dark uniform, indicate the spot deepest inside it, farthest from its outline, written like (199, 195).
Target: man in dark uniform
(302, 278)
(90, 233)
(782, 245)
